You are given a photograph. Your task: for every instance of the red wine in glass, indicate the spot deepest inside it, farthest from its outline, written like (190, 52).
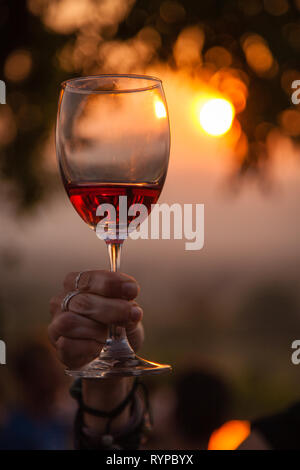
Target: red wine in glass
(86, 198)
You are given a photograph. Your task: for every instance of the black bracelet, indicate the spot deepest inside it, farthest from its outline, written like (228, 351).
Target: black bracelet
(128, 438)
(76, 393)
(139, 426)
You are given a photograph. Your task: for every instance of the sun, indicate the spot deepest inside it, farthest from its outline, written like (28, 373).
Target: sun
(216, 116)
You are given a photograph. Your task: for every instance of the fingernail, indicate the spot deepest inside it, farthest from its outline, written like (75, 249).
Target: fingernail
(136, 313)
(129, 289)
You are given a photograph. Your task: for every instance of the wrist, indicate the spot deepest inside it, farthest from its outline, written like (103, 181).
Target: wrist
(105, 394)
(122, 427)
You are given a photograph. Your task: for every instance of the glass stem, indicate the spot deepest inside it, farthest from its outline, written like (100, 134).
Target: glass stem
(117, 347)
(114, 253)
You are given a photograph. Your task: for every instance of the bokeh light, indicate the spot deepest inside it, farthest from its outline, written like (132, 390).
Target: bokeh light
(219, 56)
(216, 116)
(160, 109)
(67, 16)
(276, 7)
(229, 436)
(172, 12)
(188, 47)
(18, 65)
(258, 55)
(290, 122)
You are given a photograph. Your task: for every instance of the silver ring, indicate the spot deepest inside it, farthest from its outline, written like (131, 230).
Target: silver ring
(78, 279)
(66, 300)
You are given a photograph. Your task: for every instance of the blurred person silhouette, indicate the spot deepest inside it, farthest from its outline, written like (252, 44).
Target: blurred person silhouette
(279, 431)
(187, 413)
(41, 420)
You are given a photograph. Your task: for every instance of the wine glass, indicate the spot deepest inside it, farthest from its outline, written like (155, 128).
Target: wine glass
(112, 140)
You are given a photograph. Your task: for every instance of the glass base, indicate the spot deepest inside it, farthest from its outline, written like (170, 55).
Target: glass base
(127, 367)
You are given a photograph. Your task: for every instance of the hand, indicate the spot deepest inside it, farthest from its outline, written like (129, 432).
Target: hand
(105, 298)
(80, 333)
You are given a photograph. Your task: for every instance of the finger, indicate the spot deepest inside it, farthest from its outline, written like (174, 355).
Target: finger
(75, 353)
(135, 335)
(105, 310)
(55, 309)
(71, 325)
(105, 283)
